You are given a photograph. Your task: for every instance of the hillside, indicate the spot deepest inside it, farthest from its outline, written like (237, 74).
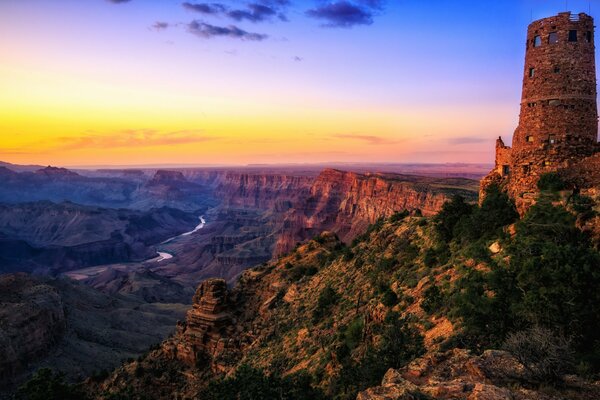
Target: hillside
(54, 238)
(455, 306)
(70, 327)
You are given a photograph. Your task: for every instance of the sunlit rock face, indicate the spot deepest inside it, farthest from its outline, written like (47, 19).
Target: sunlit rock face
(207, 327)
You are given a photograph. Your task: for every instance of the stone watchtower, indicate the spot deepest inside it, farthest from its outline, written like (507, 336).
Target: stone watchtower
(558, 123)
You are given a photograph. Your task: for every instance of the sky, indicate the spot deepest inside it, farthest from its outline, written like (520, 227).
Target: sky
(133, 82)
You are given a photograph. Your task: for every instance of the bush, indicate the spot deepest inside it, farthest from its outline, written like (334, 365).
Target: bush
(583, 206)
(399, 216)
(545, 355)
(497, 210)
(253, 384)
(551, 182)
(389, 298)
(353, 334)
(433, 300)
(400, 344)
(450, 214)
(48, 385)
(551, 281)
(327, 298)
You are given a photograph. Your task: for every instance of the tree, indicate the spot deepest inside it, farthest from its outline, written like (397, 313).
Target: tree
(48, 385)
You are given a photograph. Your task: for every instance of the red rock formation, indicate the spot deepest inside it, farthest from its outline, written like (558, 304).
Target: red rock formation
(262, 191)
(207, 328)
(347, 202)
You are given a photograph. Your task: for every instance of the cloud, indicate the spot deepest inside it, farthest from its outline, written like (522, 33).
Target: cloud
(131, 138)
(205, 8)
(118, 1)
(208, 31)
(343, 14)
(370, 139)
(255, 12)
(160, 26)
(467, 140)
(297, 59)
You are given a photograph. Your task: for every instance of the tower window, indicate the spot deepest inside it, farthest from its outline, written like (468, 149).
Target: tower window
(526, 169)
(547, 163)
(588, 36)
(529, 139)
(531, 72)
(505, 170)
(557, 70)
(537, 41)
(552, 139)
(572, 36)
(553, 38)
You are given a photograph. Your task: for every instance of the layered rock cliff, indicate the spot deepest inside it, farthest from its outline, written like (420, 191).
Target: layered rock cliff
(347, 203)
(262, 191)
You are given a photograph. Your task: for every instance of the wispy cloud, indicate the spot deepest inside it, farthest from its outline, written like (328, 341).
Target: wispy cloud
(467, 140)
(160, 26)
(118, 1)
(205, 8)
(208, 31)
(370, 139)
(254, 12)
(343, 14)
(131, 138)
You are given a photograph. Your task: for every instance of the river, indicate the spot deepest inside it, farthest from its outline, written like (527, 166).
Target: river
(163, 255)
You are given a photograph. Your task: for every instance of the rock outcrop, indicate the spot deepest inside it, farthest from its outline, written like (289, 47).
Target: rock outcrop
(32, 322)
(208, 327)
(458, 374)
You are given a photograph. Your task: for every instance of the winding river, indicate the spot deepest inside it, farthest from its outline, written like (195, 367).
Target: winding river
(163, 255)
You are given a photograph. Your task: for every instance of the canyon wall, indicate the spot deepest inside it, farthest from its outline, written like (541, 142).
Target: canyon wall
(347, 203)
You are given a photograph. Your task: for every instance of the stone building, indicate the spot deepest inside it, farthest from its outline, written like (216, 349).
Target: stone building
(558, 122)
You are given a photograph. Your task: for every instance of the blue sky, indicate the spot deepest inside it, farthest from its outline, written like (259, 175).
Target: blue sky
(356, 80)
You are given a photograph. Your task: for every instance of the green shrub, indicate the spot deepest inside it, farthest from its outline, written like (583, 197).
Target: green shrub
(551, 281)
(48, 385)
(450, 214)
(327, 298)
(400, 343)
(545, 355)
(253, 384)
(399, 216)
(389, 298)
(551, 182)
(433, 300)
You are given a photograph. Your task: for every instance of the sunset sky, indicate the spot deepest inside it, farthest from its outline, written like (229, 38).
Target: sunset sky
(101, 82)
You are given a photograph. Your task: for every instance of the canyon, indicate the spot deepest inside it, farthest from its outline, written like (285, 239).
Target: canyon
(106, 227)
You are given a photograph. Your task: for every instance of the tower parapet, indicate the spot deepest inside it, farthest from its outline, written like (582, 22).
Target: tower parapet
(558, 121)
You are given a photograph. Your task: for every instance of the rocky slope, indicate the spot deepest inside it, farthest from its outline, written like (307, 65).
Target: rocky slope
(33, 321)
(70, 327)
(344, 316)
